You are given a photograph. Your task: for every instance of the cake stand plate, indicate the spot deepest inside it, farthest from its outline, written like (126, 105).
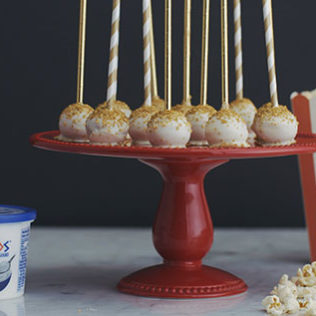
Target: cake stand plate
(183, 229)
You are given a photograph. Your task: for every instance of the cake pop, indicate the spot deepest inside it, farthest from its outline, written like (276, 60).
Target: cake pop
(198, 116)
(118, 106)
(107, 127)
(141, 117)
(112, 85)
(275, 125)
(138, 124)
(247, 110)
(226, 129)
(169, 129)
(72, 122)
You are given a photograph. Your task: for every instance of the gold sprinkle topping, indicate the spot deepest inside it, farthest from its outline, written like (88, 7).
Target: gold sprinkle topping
(108, 117)
(162, 119)
(115, 105)
(76, 109)
(182, 108)
(202, 109)
(243, 104)
(160, 104)
(226, 116)
(268, 104)
(144, 111)
(268, 111)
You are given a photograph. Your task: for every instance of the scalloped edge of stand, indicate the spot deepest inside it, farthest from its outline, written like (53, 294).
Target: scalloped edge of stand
(181, 292)
(173, 282)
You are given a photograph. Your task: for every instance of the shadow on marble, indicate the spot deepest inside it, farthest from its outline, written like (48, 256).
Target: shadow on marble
(73, 279)
(299, 257)
(182, 307)
(98, 284)
(83, 283)
(12, 307)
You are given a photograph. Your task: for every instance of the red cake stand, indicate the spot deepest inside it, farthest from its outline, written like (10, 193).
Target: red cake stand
(183, 229)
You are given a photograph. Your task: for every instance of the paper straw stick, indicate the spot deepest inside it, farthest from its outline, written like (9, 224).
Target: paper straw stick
(224, 38)
(114, 50)
(187, 53)
(268, 26)
(81, 50)
(168, 51)
(147, 61)
(205, 49)
(154, 84)
(238, 50)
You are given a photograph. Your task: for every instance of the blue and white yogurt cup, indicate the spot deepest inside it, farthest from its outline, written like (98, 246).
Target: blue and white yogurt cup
(15, 225)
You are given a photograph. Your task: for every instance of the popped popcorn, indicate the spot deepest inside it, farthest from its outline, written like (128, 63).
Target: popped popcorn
(295, 295)
(285, 289)
(312, 310)
(305, 304)
(291, 305)
(273, 305)
(304, 292)
(305, 277)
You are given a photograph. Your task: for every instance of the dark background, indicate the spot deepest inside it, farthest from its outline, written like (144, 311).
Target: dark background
(38, 57)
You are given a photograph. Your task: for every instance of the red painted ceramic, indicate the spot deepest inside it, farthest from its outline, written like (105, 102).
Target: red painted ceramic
(183, 229)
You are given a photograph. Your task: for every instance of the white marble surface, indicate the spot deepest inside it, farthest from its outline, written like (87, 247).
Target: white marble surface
(74, 271)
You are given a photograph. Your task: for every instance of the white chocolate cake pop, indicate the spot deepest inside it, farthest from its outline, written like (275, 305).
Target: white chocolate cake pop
(107, 127)
(138, 124)
(159, 103)
(118, 106)
(72, 122)
(182, 108)
(226, 129)
(169, 129)
(198, 116)
(275, 125)
(247, 110)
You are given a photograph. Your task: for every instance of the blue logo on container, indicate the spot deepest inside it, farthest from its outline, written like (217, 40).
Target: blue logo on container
(4, 248)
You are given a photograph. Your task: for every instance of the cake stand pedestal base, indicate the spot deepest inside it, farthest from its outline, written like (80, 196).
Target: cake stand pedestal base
(182, 235)
(169, 281)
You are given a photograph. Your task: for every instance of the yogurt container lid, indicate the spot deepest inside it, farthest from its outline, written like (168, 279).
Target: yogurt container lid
(15, 214)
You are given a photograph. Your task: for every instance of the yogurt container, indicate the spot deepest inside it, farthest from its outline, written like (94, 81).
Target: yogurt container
(15, 225)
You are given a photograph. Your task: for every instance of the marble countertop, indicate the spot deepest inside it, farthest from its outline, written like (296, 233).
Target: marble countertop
(74, 271)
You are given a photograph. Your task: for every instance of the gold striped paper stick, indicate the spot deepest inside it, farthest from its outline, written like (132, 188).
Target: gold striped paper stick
(114, 50)
(147, 50)
(268, 26)
(238, 50)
